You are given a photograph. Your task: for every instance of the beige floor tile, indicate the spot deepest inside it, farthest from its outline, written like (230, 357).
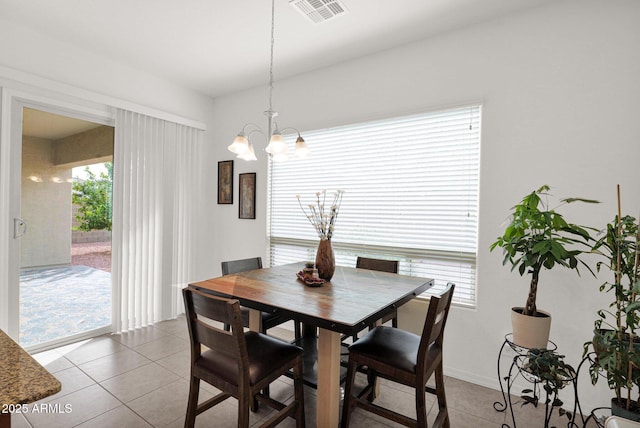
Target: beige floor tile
(163, 347)
(112, 365)
(464, 420)
(138, 382)
(139, 336)
(19, 421)
(161, 406)
(472, 399)
(53, 361)
(179, 363)
(182, 334)
(72, 379)
(222, 415)
(91, 349)
(177, 325)
(73, 409)
(121, 416)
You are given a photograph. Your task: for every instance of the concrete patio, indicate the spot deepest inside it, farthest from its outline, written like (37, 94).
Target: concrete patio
(57, 302)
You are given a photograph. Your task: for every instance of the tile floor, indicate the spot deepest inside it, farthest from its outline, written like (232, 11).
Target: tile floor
(140, 379)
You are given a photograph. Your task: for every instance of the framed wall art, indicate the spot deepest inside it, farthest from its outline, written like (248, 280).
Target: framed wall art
(247, 196)
(225, 182)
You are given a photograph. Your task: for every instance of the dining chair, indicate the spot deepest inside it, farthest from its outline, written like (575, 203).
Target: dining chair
(238, 363)
(268, 320)
(405, 358)
(380, 265)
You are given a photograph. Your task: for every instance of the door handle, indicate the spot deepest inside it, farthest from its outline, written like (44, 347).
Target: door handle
(19, 227)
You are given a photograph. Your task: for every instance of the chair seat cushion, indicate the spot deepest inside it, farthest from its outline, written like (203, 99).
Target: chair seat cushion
(266, 354)
(391, 346)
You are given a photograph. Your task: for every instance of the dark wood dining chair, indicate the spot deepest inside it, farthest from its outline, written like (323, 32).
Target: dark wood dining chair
(268, 320)
(380, 265)
(238, 363)
(405, 358)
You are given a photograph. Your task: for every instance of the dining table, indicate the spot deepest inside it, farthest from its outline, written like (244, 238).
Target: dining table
(352, 300)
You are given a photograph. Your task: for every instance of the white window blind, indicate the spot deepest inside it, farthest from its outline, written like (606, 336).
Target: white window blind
(411, 194)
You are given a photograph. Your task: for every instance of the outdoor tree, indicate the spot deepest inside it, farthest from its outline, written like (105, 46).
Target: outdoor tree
(93, 198)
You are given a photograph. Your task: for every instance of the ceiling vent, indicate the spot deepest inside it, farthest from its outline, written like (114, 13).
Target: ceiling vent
(318, 11)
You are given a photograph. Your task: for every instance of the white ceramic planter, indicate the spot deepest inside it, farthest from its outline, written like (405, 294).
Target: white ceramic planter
(528, 331)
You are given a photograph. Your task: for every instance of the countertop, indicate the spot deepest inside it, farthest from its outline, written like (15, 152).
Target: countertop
(22, 379)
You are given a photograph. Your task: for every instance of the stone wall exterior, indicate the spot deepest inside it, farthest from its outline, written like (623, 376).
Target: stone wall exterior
(78, 236)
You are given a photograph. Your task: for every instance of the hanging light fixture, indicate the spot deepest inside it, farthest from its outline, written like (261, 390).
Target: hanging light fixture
(277, 147)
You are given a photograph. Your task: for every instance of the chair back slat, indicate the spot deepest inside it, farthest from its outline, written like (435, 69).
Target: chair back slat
(215, 338)
(243, 265)
(201, 307)
(379, 265)
(433, 330)
(213, 308)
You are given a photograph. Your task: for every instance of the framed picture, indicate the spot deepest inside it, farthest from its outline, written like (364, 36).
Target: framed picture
(247, 205)
(225, 182)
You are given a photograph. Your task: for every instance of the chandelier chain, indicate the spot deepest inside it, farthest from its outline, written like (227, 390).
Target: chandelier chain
(277, 148)
(273, 18)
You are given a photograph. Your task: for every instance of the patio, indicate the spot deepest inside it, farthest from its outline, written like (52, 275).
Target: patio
(57, 302)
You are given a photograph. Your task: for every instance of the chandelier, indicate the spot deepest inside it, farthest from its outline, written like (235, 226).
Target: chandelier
(277, 147)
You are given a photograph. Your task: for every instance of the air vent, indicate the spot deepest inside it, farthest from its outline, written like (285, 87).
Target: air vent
(318, 11)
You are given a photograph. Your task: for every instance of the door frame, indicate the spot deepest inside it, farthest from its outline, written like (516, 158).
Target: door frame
(11, 107)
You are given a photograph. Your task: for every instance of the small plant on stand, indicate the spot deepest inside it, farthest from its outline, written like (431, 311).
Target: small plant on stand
(538, 237)
(549, 370)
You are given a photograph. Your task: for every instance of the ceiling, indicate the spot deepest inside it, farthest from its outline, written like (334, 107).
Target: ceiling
(221, 46)
(41, 124)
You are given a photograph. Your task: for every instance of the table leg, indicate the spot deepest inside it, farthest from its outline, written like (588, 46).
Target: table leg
(376, 387)
(328, 404)
(255, 319)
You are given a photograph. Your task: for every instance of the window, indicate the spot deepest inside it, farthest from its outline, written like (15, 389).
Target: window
(411, 194)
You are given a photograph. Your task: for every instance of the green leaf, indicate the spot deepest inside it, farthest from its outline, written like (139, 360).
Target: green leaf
(588, 201)
(632, 307)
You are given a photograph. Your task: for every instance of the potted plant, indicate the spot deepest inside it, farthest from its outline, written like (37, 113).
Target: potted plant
(539, 237)
(616, 342)
(549, 370)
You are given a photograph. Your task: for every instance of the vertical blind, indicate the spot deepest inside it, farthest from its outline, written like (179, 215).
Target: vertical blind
(153, 187)
(411, 194)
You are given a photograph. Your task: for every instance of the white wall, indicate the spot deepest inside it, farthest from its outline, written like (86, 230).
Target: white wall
(561, 99)
(25, 50)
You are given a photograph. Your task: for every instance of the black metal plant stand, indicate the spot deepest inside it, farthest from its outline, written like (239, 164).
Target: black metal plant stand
(599, 414)
(518, 369)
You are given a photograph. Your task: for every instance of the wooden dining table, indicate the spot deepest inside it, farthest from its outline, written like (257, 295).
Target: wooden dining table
(351, 301)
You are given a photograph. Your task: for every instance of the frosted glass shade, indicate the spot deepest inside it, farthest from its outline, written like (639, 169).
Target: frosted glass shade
(276, 144)
(240, 145)
(249, 155)
(301, 150)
